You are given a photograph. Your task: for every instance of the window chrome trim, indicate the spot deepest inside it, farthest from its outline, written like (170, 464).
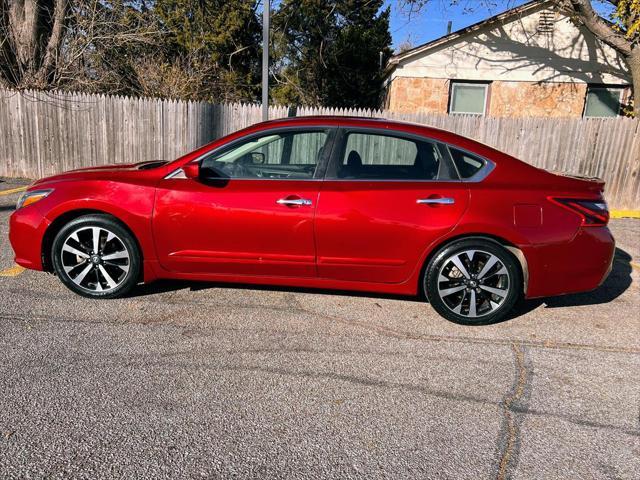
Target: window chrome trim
(478, 177)
(481, 174)
(177, 174)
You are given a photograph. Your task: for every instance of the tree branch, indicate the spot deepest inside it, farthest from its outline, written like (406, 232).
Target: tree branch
(596, 25)
(55, 39)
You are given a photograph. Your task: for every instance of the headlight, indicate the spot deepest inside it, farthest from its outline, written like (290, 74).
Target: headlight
(28, 198)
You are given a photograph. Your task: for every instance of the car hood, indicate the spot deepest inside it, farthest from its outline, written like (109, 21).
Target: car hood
(104, 172)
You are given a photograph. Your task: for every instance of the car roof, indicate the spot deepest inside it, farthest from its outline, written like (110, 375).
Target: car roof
(372, 122)
(347, 121)
(337, 120)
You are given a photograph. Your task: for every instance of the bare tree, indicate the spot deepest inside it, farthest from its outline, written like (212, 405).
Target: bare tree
(623, 34)
(619, 36)
(405, 46)
(131, 47)
(31, 34)
(85, 45)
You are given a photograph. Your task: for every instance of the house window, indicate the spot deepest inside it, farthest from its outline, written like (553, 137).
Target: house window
(602, 102)
(468, 98)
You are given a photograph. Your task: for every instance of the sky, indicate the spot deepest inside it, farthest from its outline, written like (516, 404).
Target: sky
(431, 21)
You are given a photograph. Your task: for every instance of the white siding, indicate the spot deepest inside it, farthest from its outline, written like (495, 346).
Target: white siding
(516, 51)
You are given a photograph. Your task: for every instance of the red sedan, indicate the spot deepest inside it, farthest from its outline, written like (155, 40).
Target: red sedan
(326, 202)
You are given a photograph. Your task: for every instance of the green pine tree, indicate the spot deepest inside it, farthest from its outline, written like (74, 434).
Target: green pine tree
(216, 40)
(328, 52)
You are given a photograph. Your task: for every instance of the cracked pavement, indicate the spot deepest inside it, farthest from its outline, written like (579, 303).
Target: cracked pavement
(198, 380)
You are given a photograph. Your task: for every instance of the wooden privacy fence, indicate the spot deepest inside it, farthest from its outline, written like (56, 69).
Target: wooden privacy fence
(42, 133)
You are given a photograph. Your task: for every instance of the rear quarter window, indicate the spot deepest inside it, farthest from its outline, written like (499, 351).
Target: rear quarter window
(466, 163)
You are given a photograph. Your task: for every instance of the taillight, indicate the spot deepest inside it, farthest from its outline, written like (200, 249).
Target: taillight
(594, 213)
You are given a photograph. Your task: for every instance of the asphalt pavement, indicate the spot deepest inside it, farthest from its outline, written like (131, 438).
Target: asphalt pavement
(195, 380)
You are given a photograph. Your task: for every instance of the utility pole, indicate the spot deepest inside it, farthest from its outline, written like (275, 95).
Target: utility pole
(265, 59)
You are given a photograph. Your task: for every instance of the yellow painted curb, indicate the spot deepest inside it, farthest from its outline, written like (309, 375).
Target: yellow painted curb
(12, 271)
(624, 213)
(13, 190)
(626, 262)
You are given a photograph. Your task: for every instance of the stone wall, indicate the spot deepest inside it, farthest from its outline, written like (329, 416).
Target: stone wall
(506, 99)
(530, 99)
(418, 95)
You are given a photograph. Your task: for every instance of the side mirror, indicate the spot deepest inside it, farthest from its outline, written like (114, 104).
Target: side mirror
(191, 170)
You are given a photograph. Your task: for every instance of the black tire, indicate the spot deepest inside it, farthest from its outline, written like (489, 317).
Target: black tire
(113, 240)
(506, 282)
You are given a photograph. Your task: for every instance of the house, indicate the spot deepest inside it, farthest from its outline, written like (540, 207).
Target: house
(532, 60)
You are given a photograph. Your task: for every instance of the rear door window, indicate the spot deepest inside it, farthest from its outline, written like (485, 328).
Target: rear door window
(373, 156)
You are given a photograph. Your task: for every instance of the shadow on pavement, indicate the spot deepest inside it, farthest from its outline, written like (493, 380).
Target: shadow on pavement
(161, 286)
(616, 283)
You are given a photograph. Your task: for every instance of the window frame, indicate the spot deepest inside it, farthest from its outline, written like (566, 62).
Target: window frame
(321, 166)
(340, 143)
(485, 85)
(599, 86)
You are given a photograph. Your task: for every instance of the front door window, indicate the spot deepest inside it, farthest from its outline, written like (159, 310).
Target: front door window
(286, 155)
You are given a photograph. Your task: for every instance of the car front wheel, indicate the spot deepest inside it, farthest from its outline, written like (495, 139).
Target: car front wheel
(473, 282)
(96, 257)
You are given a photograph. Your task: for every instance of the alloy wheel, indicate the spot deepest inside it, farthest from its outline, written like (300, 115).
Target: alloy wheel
(473, 283)
(95, 259)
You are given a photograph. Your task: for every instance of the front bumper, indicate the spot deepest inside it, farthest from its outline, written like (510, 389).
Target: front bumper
(27, 227)
(579, 265)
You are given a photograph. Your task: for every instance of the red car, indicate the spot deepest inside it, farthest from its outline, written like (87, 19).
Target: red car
(326, 202)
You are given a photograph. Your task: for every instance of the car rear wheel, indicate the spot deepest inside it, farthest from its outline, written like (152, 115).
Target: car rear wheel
(473, 282)
(96, 257)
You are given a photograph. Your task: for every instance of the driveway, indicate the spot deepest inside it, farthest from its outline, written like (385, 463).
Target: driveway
(205, 381)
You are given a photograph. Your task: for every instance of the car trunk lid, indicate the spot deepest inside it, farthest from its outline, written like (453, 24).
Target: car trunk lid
(583, 182)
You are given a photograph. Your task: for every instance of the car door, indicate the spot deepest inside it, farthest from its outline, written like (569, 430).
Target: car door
(250, 213)
(386, 197)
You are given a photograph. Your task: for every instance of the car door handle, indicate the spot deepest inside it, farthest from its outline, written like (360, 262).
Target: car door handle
(294, 202)
(436, 201)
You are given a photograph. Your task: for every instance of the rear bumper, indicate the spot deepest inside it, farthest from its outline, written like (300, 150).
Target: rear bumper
(579, 265)
(26, 231)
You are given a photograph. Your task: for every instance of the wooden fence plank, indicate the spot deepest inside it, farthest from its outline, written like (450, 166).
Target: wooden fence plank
(45, 133)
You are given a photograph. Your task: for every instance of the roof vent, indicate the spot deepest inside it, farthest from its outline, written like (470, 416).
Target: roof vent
(545, 22)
